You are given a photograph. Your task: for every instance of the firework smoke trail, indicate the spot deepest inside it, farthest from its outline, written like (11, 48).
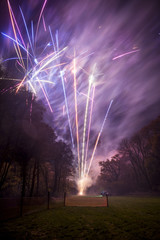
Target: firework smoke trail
(97, 140)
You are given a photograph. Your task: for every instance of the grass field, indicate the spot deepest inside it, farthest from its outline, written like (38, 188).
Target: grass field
(86, 201)
(126, 218)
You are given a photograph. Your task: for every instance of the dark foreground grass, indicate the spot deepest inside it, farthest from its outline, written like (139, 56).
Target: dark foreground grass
(126, 218)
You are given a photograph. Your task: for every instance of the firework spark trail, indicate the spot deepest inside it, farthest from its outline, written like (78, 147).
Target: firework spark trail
(76, 113)
(18, 57)
(45, 81)
(39, 81)
(63, 110)
(32, 30)
(57, 42)
(11, 79)
(67, 110)
(124, 54)
(50, 31)
(44, 24)
(18, 61)
(31, 107)
(44, 4)
(45, 96)
(40, 69)
(54, 66)
(36, 70)
(19, 32)
(17, 42)
(9, 59)
(33, 89)
(64, 92)
(8, 89)
(89, 127)
(14, 30)
(47, 45)
(97, 140)
(84, 128)
(27, 30)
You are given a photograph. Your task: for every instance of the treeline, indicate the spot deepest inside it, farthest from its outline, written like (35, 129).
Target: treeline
(32, 160)
(136, 166)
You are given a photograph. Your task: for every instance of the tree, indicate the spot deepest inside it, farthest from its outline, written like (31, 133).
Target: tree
(116, 175)
(110, 169)
(136, 150)
(28, 144)
(152, 134)
(63, 166)
(23, 132)
(142, 151)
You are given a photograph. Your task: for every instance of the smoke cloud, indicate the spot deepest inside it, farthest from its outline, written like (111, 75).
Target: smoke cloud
(119, 44)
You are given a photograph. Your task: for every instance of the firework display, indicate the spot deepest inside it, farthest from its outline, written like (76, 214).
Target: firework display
(75, 76)
(40, 73)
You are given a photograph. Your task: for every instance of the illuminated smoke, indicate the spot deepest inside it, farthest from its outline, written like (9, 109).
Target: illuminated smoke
(73, 38)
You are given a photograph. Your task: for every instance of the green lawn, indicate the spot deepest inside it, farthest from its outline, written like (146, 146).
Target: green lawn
(126, 218)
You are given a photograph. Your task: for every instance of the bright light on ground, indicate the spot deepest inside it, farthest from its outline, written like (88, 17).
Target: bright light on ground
(83, 183)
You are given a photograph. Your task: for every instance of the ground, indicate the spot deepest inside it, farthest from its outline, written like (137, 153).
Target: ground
(125, 218)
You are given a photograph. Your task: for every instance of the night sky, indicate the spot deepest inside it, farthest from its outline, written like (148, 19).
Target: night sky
(120, 40)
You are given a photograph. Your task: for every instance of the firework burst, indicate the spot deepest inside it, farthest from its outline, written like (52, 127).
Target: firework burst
(67, 78)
